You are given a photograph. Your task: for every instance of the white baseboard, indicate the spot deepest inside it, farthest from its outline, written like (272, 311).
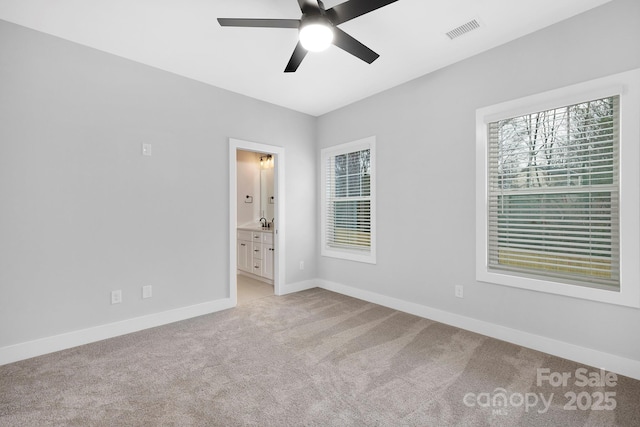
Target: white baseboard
(587, 356)
(26, 350)
(290, 288)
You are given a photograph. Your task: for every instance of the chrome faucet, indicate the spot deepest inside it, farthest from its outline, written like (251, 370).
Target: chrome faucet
(264, 224)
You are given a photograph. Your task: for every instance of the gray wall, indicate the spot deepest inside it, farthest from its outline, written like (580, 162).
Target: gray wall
(426, 178)
(82, 212)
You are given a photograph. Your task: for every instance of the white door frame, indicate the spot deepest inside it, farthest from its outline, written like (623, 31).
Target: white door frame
(278, 232)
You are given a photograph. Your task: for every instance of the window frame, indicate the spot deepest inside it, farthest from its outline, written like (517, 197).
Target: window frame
(627, 86)
(351, 254)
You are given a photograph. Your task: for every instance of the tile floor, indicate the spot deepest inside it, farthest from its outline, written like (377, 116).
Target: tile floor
(250, 289)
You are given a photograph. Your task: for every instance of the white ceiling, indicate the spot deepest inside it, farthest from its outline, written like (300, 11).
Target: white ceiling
(183, 37)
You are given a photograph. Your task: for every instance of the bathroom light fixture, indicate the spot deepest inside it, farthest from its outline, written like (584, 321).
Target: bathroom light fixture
(269, 161)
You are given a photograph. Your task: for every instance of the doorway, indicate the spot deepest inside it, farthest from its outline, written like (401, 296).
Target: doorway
(274, 206)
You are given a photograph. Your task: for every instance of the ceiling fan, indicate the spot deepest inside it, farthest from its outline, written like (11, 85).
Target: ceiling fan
(318, 28)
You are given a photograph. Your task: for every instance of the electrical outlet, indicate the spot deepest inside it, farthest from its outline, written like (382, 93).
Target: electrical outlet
(146, 149)
(459, 291)
(116, 297)
(146, 291)
(301, 265)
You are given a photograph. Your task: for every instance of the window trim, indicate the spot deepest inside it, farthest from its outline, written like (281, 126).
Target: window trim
(345, 253)
(627, 86)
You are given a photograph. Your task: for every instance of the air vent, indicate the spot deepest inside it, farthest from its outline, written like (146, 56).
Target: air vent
(463, 29)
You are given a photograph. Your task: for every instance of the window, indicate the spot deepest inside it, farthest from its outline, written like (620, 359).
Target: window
(553, 193)
(348, 201)
(550, 211)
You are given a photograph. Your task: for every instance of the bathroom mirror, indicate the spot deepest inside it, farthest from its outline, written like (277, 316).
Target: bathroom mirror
(267, 196)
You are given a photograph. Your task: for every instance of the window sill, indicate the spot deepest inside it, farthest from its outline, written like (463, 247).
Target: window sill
(626, 296)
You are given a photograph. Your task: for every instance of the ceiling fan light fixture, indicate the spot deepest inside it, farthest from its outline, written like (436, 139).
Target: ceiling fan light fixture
(316, 36)
(318, 28)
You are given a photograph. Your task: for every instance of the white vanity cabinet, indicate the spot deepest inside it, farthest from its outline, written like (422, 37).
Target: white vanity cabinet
(267, 255)
(255, 253)
(245, 251)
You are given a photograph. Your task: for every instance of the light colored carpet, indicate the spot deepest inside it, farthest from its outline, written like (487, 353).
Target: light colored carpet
(313, 358)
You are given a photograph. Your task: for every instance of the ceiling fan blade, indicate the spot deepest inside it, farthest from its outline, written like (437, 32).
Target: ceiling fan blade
(348, 10)
(347, 43)
(270, 23)
(309, 6)
(298, 55)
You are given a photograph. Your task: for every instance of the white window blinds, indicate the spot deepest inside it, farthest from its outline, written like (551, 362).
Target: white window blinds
(553, 208)
(348, 217)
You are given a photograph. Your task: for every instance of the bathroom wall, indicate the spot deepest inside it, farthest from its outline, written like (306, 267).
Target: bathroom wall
(248, 179)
